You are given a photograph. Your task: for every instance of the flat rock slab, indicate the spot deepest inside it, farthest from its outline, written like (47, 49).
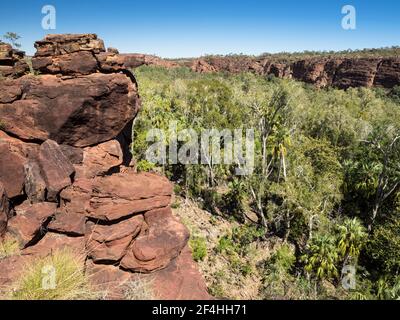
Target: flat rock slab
(69, 223)
(124, 194)
(28, 226)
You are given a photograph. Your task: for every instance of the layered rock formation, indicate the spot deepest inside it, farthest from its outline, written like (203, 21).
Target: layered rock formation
(341, 73)
(136, 60)
(322, 72)
(12, 63)
(66, 180)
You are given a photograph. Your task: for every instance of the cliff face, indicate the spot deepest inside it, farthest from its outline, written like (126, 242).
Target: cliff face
(12, 62)
(340, 73)
(66, 179)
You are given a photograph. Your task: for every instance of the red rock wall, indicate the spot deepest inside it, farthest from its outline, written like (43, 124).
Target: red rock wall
(340, 73)
(66, 179)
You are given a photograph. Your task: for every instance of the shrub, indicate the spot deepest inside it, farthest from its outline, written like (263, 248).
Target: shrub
(199, 248)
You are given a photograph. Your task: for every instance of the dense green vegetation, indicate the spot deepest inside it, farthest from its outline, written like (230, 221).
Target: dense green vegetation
(287, 57)
(326, 178)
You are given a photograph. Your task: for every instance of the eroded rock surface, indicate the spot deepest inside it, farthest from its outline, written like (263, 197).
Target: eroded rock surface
(65, 176)
(322, 72)
(12, 63)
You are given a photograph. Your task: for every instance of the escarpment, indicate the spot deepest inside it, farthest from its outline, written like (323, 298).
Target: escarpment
(341, 73)
(66, 179)
(322, 72)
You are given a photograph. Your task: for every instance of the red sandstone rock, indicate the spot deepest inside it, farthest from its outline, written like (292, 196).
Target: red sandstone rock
(35, 186)
(75, 155)
(76, 63)
(56, 167)
(14, 154)
(164, 241)
(59, 44)
(28, 226)
(75, 199)
(110, 242)
(124, 194)
(356, 73)
(388, 73)
(100, 159)
(10, 270)
(79, 111)
(53, 242)
(136, 59)
(79, 106)
(108, 279)
(69, 223)
(202, 66)
(12, 63)
(4, 210)
(181, 280)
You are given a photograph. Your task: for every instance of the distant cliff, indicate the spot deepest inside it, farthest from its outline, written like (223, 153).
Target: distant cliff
(341, 72)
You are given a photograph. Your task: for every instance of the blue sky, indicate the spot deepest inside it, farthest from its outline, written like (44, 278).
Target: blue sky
(189, 28)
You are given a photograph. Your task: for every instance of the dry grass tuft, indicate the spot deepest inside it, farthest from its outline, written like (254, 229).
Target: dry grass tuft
(59, 276)
(139, 289)
(9, 247)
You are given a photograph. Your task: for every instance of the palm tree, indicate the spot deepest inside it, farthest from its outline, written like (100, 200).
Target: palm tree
(351, 237)
(322, 257)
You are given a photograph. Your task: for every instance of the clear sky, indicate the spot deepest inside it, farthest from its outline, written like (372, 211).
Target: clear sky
(178, 28)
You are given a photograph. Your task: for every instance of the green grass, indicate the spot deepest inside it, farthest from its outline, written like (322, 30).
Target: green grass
(199, 248)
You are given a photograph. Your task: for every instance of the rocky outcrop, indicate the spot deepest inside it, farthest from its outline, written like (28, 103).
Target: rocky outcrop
(12, 63)
(321, 72)
(136, 60)
(65, 179)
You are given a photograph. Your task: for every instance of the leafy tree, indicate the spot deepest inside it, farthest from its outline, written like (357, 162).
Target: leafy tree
(12, 37)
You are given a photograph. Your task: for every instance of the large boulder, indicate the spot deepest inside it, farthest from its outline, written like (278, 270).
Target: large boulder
(76, 63)
(75, 111)
(163, 242)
